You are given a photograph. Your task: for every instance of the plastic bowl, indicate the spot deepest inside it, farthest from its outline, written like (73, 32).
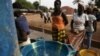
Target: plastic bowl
(48, 48)
(87, 52)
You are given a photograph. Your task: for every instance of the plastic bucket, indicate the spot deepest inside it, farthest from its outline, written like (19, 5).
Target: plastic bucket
(48, 48)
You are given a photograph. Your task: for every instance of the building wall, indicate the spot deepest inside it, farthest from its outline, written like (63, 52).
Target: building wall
(68, 10)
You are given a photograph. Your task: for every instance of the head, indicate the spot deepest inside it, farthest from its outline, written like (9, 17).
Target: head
(95, 10)
(57, 5)
(89, 11)
(17, 13)
(75, 10)
(80, 9)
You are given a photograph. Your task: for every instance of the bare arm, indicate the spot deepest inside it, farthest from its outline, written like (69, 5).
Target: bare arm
(65, 19)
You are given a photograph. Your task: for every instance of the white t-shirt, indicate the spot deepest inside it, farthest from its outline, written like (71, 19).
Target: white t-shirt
(48, 14)
(79, 21)
(90, 28)
(45, 14)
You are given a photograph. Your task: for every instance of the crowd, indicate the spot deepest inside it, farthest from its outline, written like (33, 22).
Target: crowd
(83, 19)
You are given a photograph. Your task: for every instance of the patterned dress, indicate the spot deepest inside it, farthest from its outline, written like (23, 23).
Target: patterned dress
(58, 29)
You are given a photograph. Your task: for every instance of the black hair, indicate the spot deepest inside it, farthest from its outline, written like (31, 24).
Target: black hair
(80, 9)
(57, 5)
(17, 5)
(57, 2)
(89, 11)
(17, 13)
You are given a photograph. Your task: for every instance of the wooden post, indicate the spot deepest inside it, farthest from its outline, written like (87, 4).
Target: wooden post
(8, 36)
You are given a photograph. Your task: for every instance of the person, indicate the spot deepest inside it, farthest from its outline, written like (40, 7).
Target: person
(45, 17)
(22, 28)
(90, 28)
(59, 21)
(80, 20)
(92, 3)
(41, 14)
(96, 13)
(48, 16)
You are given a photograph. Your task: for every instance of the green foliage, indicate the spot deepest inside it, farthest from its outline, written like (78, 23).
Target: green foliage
(76, 1)
(22, 4)
(36, 5)
(43, 8)
(50, 8)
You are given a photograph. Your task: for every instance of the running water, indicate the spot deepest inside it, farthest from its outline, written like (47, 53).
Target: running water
(45, 53)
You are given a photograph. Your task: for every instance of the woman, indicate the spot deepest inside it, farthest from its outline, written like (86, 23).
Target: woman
(90, 28)
(79, 20)
(59, 21)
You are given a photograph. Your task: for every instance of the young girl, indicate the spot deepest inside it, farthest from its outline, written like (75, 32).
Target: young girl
(90, 28)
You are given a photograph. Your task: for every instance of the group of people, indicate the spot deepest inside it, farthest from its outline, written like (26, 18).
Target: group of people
(83, 20)
(46, 16)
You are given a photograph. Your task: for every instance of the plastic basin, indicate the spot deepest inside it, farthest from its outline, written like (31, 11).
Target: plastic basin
(48, 48)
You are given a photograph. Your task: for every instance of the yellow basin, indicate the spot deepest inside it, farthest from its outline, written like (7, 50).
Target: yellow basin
(87, 52)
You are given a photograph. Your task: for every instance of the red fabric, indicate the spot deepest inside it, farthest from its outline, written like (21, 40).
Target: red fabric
(74, 37)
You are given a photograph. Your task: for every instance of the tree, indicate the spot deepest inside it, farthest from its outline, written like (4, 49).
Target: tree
(76, 1)
(22, 4)
(36, 4)
(43, 8)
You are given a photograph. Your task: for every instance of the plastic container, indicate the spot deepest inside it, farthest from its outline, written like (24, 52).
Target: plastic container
(87, 52)
(48, 48)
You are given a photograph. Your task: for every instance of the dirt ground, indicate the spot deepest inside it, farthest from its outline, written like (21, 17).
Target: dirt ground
(36, 21)
(96, 35)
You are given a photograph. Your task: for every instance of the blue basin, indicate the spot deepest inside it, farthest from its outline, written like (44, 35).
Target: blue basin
(48, 48)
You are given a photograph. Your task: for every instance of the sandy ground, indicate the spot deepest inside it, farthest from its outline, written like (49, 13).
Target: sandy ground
(37, 34)
(96, 35)
(36, 21)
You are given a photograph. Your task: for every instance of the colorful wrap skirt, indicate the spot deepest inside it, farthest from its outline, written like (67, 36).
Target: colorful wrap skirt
(59, 35)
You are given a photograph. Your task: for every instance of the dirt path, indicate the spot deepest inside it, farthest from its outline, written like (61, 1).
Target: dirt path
(97, 33)
(35, 20)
